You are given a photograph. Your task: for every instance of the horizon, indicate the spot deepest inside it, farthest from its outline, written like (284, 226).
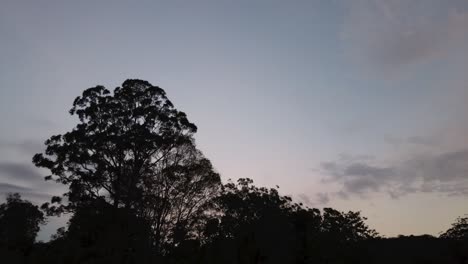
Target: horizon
(353, 105)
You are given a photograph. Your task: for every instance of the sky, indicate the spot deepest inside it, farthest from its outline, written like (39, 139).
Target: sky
(354, 104)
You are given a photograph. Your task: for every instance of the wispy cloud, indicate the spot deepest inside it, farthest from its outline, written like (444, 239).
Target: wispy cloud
(27, 147)
(19, 171)
(358, 177)
(320, 199)
(27, 180)
(395, 33)
(28, 193)
(417, 141)
(323, 198)
(12, 188)
(445, 173)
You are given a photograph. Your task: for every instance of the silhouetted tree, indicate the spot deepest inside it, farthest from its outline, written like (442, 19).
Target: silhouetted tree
(134, 150)
(458, 230)
(307, 223)
(458, 233)
(19, 223)
(331, 236)
(346, 227)
(253, 227)
(411, 249)
(339, 234)
(101, 233)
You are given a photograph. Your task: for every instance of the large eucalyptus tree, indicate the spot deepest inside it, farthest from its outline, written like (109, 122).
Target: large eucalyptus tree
(134, 150)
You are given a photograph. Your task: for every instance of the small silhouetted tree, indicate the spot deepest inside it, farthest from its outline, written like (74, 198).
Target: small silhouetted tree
(346, 227)
(19, 222)
(458, 230)
(307, 223)
(330, 236)
(340, 233)
(458, 233)
(101, 233)
(134, 150)
(253, 227)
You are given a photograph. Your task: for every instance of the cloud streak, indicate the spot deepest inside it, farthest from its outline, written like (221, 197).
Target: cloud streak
(321, 199)
(444, 173)
(28, 193)
(19, 171)
(28, 147)
(396, 33)
(12, 188)
(26, 180)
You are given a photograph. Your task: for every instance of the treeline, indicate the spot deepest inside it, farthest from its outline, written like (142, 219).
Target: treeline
(251, 229)
(139, 191)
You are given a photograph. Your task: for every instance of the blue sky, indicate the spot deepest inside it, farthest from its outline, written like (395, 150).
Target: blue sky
(358, 105)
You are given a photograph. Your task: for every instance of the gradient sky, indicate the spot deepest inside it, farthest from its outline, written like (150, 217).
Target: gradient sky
(357, 105)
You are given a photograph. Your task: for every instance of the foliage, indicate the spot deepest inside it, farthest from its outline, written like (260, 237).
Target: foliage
(134, 150)
(458, 231)
(19, 222)
(253, 225)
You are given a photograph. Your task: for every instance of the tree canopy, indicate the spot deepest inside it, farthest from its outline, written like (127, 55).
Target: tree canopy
(133, 149)
(19, 222)
(458, 230)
